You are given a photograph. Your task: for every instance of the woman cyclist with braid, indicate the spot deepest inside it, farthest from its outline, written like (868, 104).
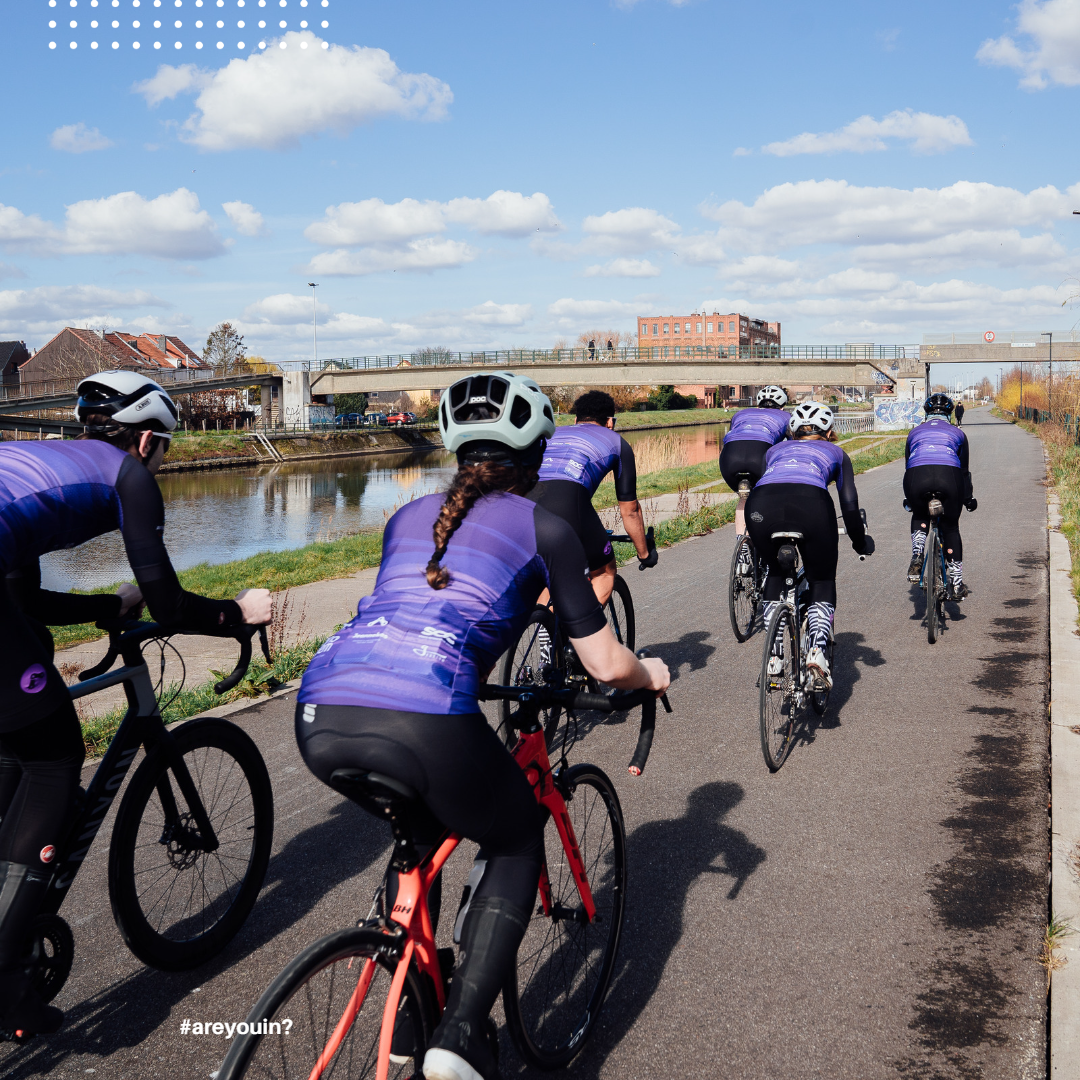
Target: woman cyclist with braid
(395, 691)
(793, 496)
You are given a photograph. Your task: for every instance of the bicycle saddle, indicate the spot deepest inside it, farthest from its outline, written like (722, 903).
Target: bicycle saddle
(369, 787)
(796, 536)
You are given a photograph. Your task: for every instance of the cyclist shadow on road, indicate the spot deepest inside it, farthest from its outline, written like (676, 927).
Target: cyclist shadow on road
(953, 611)
(849, 657)
(664, 860)
(133, 1009)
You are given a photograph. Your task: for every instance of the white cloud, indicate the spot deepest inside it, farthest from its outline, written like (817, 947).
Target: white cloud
(270, 99)
(629, 268)
(71, 305)
(927, 134)
(836, 212)
(425, 255)
(245, 218)
(491, 314)
(172, 226)
(1053, 27)
(505, 213)
(283, 308)
(374, 222)
(78, 139)
(568, 312)
(741, 151)
(8, 270)
(629, 231)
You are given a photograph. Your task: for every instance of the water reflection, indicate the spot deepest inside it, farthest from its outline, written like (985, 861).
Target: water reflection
(217, 516)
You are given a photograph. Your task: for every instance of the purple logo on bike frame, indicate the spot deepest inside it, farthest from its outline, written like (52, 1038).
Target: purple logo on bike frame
(33, 679)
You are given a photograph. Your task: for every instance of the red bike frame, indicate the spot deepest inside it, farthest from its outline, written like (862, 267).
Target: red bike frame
(411, 913)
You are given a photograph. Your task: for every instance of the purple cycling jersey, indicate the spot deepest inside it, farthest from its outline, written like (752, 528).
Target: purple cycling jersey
(586, 453)
(55, 495)
(804, 461)
(760, 425)
(416, 649)
(935, 442)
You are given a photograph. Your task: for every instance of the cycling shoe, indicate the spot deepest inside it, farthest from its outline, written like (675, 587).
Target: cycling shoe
(21, 1007)
(818, 664)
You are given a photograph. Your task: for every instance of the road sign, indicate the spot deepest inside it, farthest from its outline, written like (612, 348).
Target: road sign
(988, 336)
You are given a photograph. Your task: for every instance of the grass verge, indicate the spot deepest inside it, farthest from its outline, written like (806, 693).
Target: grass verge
(628, 421)
(184, 702)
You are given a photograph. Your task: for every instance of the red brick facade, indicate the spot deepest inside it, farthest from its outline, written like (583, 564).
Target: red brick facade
(718, 335)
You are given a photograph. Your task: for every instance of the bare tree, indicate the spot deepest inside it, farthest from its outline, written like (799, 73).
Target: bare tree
(225, 349)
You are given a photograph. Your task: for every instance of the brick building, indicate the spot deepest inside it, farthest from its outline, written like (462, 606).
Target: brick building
(75, 353)
(667, 337)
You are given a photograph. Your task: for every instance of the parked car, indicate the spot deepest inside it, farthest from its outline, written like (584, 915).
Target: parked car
(375, 419)
(347, 420)
(399, 418)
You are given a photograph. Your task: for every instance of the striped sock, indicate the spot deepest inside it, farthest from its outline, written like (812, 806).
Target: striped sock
(819, 618)
(778, 642)
(955, 570)
(918, 543)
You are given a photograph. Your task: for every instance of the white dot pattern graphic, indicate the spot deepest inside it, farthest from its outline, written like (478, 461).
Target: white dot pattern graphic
(129, 33)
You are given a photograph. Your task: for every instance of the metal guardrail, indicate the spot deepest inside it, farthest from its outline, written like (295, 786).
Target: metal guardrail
(854, 425)
(672, 354)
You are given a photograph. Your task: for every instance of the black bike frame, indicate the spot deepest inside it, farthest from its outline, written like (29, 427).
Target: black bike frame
(142, 725)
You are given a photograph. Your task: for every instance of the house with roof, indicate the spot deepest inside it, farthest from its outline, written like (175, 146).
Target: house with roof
(12, 355)
(75, 353)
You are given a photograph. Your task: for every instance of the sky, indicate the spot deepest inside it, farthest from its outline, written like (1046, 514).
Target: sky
(489, 175)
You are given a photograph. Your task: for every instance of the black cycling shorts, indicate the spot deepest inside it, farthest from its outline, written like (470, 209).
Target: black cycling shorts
(30, 687)
(796, 508)
(742, 456)
(571, 501)
(920, 482)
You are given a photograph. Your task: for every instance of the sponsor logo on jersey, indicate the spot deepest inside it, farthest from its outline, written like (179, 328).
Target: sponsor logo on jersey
(33, 679)
(442, 635)
(428, 653)
(48, 853)
(380, 621)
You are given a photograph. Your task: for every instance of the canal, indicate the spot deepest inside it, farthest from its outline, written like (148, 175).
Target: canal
(216, 516)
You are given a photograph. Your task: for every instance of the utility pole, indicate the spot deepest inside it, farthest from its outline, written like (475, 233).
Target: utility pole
(1050, 382)
(313, 285)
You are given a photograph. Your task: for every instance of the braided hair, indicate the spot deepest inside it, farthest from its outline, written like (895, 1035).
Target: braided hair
(472, 482)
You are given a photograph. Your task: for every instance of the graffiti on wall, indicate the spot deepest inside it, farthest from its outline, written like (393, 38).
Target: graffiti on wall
(896, 414)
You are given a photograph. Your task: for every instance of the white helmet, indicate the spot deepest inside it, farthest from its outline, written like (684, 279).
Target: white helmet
(774, 395)
(812, 414)
(485, 415)
(127, 398)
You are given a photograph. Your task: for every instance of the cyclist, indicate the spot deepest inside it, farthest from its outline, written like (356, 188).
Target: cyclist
(793, 496)
(395, 691)
(936, 456)
(751, 433)
(577, 458)
(55, 495)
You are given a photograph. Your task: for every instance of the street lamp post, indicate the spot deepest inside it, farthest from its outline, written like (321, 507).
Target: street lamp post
(313, 285)
(1050, 382)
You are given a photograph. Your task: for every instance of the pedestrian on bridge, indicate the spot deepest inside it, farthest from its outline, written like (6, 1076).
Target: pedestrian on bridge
(959, 413)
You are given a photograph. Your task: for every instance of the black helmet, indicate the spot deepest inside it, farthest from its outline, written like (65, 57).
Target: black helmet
(938, 405)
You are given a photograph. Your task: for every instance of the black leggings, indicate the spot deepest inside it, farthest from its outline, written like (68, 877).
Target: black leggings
(742, 456)
(463, 772)
(39, 774)
(922, 481)
(796, 508)
(572, 502)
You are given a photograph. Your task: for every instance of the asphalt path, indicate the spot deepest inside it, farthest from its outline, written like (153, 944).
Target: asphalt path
(875, 909)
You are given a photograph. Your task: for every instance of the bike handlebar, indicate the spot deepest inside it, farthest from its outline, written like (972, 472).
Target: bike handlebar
(577, 701)
(127, 633)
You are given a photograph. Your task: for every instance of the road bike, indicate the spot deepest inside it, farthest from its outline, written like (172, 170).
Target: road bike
(786, 690)
(540, 653)
(365, 1001)
(746, 583)
(191, 841)
(934, 579)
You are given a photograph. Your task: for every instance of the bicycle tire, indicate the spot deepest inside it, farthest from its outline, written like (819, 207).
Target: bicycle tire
(619, 611)
(743, 591)
(314, 991)
(777, 702)
(523, 663)
(564, 967)
(933, 586)
(149, 853)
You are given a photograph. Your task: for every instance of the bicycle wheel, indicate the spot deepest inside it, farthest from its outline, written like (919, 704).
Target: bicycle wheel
(334, 994)
(175, 904)
(819, 699)
(620, 613)
(536, 657)
(743, 589)
(934, 585)
(565, 963)
(779, 698)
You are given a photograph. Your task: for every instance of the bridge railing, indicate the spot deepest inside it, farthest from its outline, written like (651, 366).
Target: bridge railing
(672, 354)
